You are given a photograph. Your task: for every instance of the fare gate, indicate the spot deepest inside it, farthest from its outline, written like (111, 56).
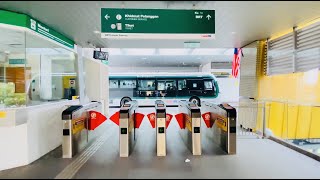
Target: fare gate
(160, 116)
(218, 126)
(127, 128)
(220, 120)
(79, 121)
(190, 133)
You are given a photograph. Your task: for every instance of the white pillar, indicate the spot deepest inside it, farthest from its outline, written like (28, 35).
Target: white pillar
(45, 78)
(80, 76)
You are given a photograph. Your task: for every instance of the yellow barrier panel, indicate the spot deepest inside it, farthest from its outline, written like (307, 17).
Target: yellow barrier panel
(290, 121)
(315, 123)
(276, 118)
(188, 122)
(267, 115)
(260, 114)
(221, 122)
(78, 124)
(303, 124)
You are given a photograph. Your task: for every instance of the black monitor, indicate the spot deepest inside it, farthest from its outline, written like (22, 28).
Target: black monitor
(100, 55)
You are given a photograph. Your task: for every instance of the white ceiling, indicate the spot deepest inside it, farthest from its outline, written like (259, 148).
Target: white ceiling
(11, 41)
(237, 23)
(165, 61)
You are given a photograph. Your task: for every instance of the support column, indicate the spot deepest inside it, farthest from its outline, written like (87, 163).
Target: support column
(80, 76)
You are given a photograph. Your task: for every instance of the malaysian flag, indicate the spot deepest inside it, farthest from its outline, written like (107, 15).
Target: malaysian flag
(236, 62)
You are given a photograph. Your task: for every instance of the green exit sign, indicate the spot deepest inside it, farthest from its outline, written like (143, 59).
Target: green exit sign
(157, 23)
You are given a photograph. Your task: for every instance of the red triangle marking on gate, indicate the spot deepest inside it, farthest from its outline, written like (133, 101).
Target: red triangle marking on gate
(152, 119)
(115, 118)
(139, 118)
(168, 119)
(95, 119)
(207, 119)
(180, 120)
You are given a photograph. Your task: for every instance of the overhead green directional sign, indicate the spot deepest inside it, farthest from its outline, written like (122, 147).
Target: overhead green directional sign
(157, 23)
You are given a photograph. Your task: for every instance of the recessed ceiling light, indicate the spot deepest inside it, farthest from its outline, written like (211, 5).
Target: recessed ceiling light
(97, 32)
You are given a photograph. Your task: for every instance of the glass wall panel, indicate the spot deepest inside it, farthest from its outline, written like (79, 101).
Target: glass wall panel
(51, 71)
(12, 67)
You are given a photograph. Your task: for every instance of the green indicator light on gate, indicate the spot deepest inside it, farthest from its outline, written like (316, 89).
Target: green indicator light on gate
(123, 130)
(161, 129)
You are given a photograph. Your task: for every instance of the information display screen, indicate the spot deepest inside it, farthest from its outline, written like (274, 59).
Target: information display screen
(100, 55)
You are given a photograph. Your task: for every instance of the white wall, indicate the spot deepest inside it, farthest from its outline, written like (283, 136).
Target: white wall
(37, 131)
(14, 146)
(96, 78)
(206, 67)
(229, 87)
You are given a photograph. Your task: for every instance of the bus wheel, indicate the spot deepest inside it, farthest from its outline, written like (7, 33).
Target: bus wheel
(124, 100)
(195, 100)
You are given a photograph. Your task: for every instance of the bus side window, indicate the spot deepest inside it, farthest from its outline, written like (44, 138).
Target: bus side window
(181, 84)
(113, 83)
(195, 84)
(208, 85)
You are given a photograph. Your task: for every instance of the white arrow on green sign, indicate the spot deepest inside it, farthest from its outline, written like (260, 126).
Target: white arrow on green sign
(157, 23)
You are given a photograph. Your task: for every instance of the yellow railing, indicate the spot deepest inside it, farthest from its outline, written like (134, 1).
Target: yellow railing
(286, 120)
(293, 121)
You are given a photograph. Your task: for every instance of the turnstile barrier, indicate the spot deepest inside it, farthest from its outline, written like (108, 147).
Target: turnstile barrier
(189, 120)
(127, 121)
(76, 134)
(161, 127)
(220, 120)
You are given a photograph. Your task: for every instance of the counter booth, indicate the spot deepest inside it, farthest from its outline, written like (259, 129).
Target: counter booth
(38, 79)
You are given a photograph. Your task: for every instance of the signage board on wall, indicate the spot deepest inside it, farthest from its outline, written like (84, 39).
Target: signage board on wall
(157, 23)
(22, 20)
(48, 32)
